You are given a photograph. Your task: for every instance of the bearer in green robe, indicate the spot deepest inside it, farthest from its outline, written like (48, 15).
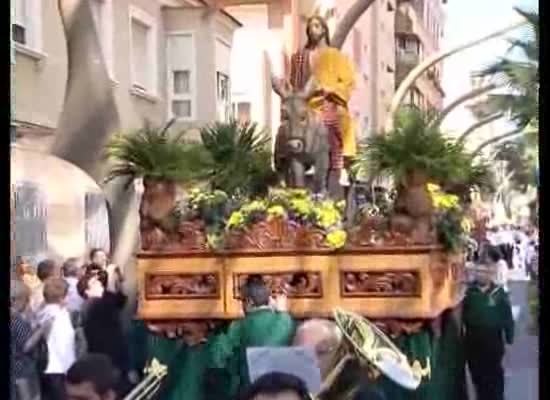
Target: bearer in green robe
(264, 325)
(487, 317)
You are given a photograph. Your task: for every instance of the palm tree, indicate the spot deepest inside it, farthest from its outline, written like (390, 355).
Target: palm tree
(520, 75)
(236, 158)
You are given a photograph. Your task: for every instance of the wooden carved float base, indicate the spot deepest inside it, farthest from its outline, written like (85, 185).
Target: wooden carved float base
(390, 283)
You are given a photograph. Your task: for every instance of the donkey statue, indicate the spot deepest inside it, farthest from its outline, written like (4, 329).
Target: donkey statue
(302, 140)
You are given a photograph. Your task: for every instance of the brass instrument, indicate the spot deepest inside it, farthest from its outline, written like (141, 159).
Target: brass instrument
(364, 353)
(148, 388)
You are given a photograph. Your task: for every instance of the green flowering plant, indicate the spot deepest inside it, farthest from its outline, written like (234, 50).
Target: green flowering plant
(296, 206)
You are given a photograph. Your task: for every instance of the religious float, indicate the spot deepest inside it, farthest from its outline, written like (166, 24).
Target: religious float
(214, 213)
(399, 263)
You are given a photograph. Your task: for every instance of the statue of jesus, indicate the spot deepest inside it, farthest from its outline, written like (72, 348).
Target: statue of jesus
(334, 74)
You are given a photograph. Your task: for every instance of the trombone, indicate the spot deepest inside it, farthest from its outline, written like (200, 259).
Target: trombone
(148, 388)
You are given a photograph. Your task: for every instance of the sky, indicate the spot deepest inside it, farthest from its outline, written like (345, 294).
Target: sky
(468, 20)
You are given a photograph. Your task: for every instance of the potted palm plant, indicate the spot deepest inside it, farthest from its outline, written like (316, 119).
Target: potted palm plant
(414, 153)
(162, 160)
(236, 158)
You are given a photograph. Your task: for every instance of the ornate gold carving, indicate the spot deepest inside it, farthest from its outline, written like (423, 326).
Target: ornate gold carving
(295, 284)
(182, 286)
(276, 233)
(380, 284)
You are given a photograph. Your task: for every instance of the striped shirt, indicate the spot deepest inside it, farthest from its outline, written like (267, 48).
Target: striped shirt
(22, 364)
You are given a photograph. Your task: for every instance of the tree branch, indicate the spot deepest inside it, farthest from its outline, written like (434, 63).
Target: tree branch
(432, 60)
(346, 23)
(495, 139)
(459, 100)
(478, 125)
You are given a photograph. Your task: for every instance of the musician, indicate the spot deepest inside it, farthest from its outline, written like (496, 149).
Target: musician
(264, 325)
(488, 321)
(325, 338)
(93, 377)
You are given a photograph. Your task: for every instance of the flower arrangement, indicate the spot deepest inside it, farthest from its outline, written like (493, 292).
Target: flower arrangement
(451, 223)
(294, 206)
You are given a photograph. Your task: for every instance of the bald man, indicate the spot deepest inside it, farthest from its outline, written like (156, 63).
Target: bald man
(325, 338)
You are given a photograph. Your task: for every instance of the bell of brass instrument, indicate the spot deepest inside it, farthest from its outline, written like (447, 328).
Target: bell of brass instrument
(364, 353)
(150, 385)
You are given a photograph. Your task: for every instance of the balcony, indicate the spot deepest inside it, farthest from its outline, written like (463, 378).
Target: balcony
(405, 61)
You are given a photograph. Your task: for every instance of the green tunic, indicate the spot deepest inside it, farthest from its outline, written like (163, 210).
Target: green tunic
(186, 367)
(488, 319)
(262, 327)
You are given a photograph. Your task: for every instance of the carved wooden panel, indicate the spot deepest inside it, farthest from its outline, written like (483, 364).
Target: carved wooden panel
(182, 286)
(297, 284)
(380, 284)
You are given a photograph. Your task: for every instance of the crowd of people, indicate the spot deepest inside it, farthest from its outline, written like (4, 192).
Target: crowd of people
(68, 339)
(59, 316)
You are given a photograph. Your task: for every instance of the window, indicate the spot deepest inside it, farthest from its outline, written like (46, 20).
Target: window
(27, 23)
(357, 47)
(96, 231)
(102, 12)
(143, 52)
(223, 96)
(30, 203)
(243, 111)
(223, 82)
(181, 81)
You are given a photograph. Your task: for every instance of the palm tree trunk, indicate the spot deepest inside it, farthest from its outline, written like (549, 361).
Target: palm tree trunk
(460, 100)
(346, 23)
(89, 113)
(478, 125)
(431, 61)
(495, 139)
(88, 118)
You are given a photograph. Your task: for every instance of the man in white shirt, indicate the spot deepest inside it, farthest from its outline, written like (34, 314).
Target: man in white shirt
(60, 340)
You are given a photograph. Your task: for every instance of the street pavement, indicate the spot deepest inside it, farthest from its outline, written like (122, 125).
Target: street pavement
(521, 361)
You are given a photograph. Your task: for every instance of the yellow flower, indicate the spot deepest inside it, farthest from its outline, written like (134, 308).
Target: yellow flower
(336, 239)
(467, 224)
(432, 188)
(236, 220)
(276, 211)
(327, 215)
(302, 207)
(256, 205)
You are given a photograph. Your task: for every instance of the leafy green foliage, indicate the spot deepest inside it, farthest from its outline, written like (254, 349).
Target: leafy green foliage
(520, 75)
(236, 158)
(414, 145)
(450, 232)
(520, 162)
(151, 152)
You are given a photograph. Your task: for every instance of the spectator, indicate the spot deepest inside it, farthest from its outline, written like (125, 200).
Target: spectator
(488, 321)
(99, 263)
(276, 386)
(61, 339)
(93, 377)
(46, 269)
(71, 274)
(102, 320)
(24, 375)
(497, 263)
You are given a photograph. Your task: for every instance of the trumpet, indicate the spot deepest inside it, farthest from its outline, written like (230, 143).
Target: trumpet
(148, 388)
